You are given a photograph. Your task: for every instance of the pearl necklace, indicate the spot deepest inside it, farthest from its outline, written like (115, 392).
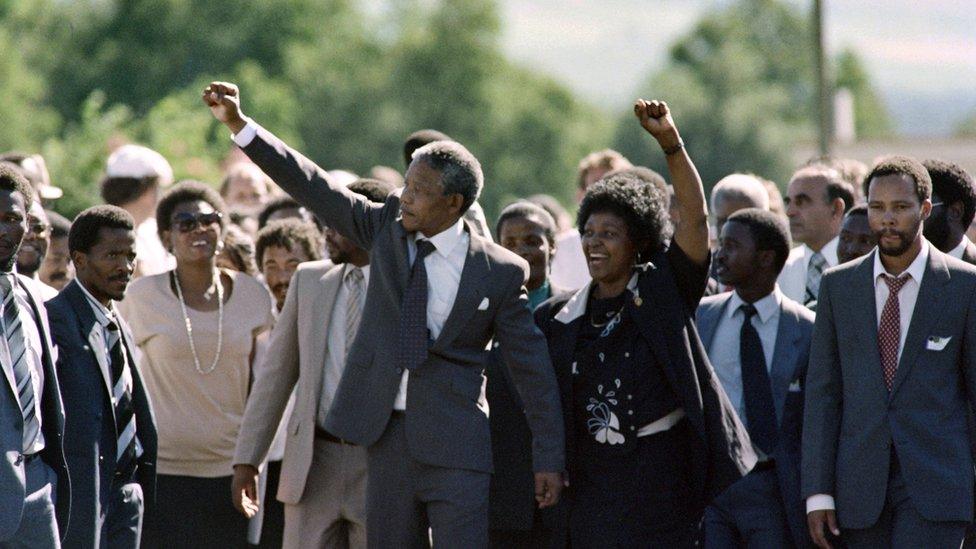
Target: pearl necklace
(189, 325)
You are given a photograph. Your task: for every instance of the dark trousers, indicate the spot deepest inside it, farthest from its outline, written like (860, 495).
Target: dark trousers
(404, 497)
(194, 512)
(539, 537)
(123, 522)
(273, 525)
(900, 525)
(749, 513)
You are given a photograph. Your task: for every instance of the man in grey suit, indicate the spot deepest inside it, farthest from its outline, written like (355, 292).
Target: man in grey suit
(34, 486)
(892, 374)
(762, 366)
(413, 389)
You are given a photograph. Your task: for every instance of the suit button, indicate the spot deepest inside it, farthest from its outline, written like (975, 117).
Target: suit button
(399, 370)
(101, 458)
(19, 460)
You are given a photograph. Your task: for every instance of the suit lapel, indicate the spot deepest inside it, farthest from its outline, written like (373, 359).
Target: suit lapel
(91, 330)
(401, 254)
(469, 292)
(784, 358)
(866, 318)
(326, 290)
(927, 309)
(708, 320)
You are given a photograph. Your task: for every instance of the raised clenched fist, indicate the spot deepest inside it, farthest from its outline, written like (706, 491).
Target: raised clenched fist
(655, 117)
(224, 100)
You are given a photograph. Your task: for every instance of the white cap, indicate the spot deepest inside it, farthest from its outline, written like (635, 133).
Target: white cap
(138, 162)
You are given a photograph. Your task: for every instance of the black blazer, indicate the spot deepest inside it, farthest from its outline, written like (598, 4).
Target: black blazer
(512, 504)
(669, 288)
(90, 434)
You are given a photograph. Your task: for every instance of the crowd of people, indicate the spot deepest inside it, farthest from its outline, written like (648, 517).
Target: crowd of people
(297, 357)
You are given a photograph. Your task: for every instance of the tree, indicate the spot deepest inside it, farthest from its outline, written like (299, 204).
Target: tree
(871, 118)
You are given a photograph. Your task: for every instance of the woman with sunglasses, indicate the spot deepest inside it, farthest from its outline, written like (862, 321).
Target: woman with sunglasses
(651, 436)
(196, 326)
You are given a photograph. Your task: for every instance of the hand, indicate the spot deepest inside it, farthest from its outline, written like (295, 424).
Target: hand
(547, 488)
(816, 521)
(244, 489)
(224, 100)
(655, 117)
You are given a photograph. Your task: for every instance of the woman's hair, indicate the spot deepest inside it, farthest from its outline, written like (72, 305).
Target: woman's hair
(239, 247)
(187, 191)
(640, 203)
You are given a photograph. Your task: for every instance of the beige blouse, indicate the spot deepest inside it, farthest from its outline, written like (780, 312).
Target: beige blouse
(197, 415)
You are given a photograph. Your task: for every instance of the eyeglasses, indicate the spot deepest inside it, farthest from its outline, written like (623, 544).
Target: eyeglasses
(186, 222)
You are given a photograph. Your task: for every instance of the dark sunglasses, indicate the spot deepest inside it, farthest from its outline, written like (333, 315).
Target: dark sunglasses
(186, 222)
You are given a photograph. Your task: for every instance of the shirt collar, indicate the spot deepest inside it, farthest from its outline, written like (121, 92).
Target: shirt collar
(915, 270)
(765, 307)
(960, 249)
(829, 251)
(103, 314)
(576, 306)
(445, 241)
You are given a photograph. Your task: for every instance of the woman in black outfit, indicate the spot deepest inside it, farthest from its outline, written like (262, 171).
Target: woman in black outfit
(651, 436)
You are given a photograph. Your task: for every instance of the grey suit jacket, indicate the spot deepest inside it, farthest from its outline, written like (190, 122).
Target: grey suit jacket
(791, 353)
(12, 480)
(447, 422)
(296, 354)
(851, 420)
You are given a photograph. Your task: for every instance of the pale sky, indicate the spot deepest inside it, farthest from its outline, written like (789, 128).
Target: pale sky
(921, 54)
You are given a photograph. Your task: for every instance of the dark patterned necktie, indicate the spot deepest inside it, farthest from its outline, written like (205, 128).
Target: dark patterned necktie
(414, 336)
(756, 390)
(125, 419)
(889, 330)
(13, 332)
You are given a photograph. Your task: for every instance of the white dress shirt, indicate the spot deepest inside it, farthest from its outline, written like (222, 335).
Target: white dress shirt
(444, 266)
(569, 270)
(907, 297)
(960, 248)
(792, 279)
(34, 353)
(724, 348)
(335, 356)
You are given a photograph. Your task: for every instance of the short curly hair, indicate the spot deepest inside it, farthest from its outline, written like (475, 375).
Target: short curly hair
(526, 209)
(902, 165)
(289, 234)
(239, 248)
(83, 234)
(12, 179)
(953, 184)
(768, 230)
(640, 203)
(460, 171)
(187, 191)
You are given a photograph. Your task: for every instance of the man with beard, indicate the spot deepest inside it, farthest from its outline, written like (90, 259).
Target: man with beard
(953, 209)
(34, 248)
(856, 238)
(56, 269)
(281, 246)
(322, 478)
(110, 437)
(892, 374)
(33, 474)
(816, 200)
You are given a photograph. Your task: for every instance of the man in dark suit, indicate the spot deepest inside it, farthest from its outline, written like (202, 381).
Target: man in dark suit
(413, 389)
(110, 440)
(34, 485)
(891, 379)
(953, 209)
(762, 366)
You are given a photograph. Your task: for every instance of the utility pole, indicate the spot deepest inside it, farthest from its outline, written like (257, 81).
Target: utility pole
(823, 86)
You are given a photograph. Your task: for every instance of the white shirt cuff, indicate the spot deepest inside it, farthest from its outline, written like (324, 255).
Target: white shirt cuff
(820, 502)
(246, 135)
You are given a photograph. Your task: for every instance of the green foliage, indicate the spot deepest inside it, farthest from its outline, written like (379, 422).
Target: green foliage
(741, 85)
(871, 118)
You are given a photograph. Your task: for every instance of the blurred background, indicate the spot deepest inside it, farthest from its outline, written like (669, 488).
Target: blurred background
(530, 86)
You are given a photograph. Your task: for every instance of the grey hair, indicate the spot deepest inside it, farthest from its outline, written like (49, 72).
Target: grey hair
(460, 170)
(741, 187)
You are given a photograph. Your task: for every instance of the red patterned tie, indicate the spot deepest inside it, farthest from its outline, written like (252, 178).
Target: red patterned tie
(889, 331)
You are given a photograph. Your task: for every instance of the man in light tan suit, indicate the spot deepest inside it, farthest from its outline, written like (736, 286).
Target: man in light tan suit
(323, 478)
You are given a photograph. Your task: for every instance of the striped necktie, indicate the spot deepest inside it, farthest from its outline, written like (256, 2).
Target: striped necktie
(13, 335)
(815, 271)
(125, 419)
(354, 304)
